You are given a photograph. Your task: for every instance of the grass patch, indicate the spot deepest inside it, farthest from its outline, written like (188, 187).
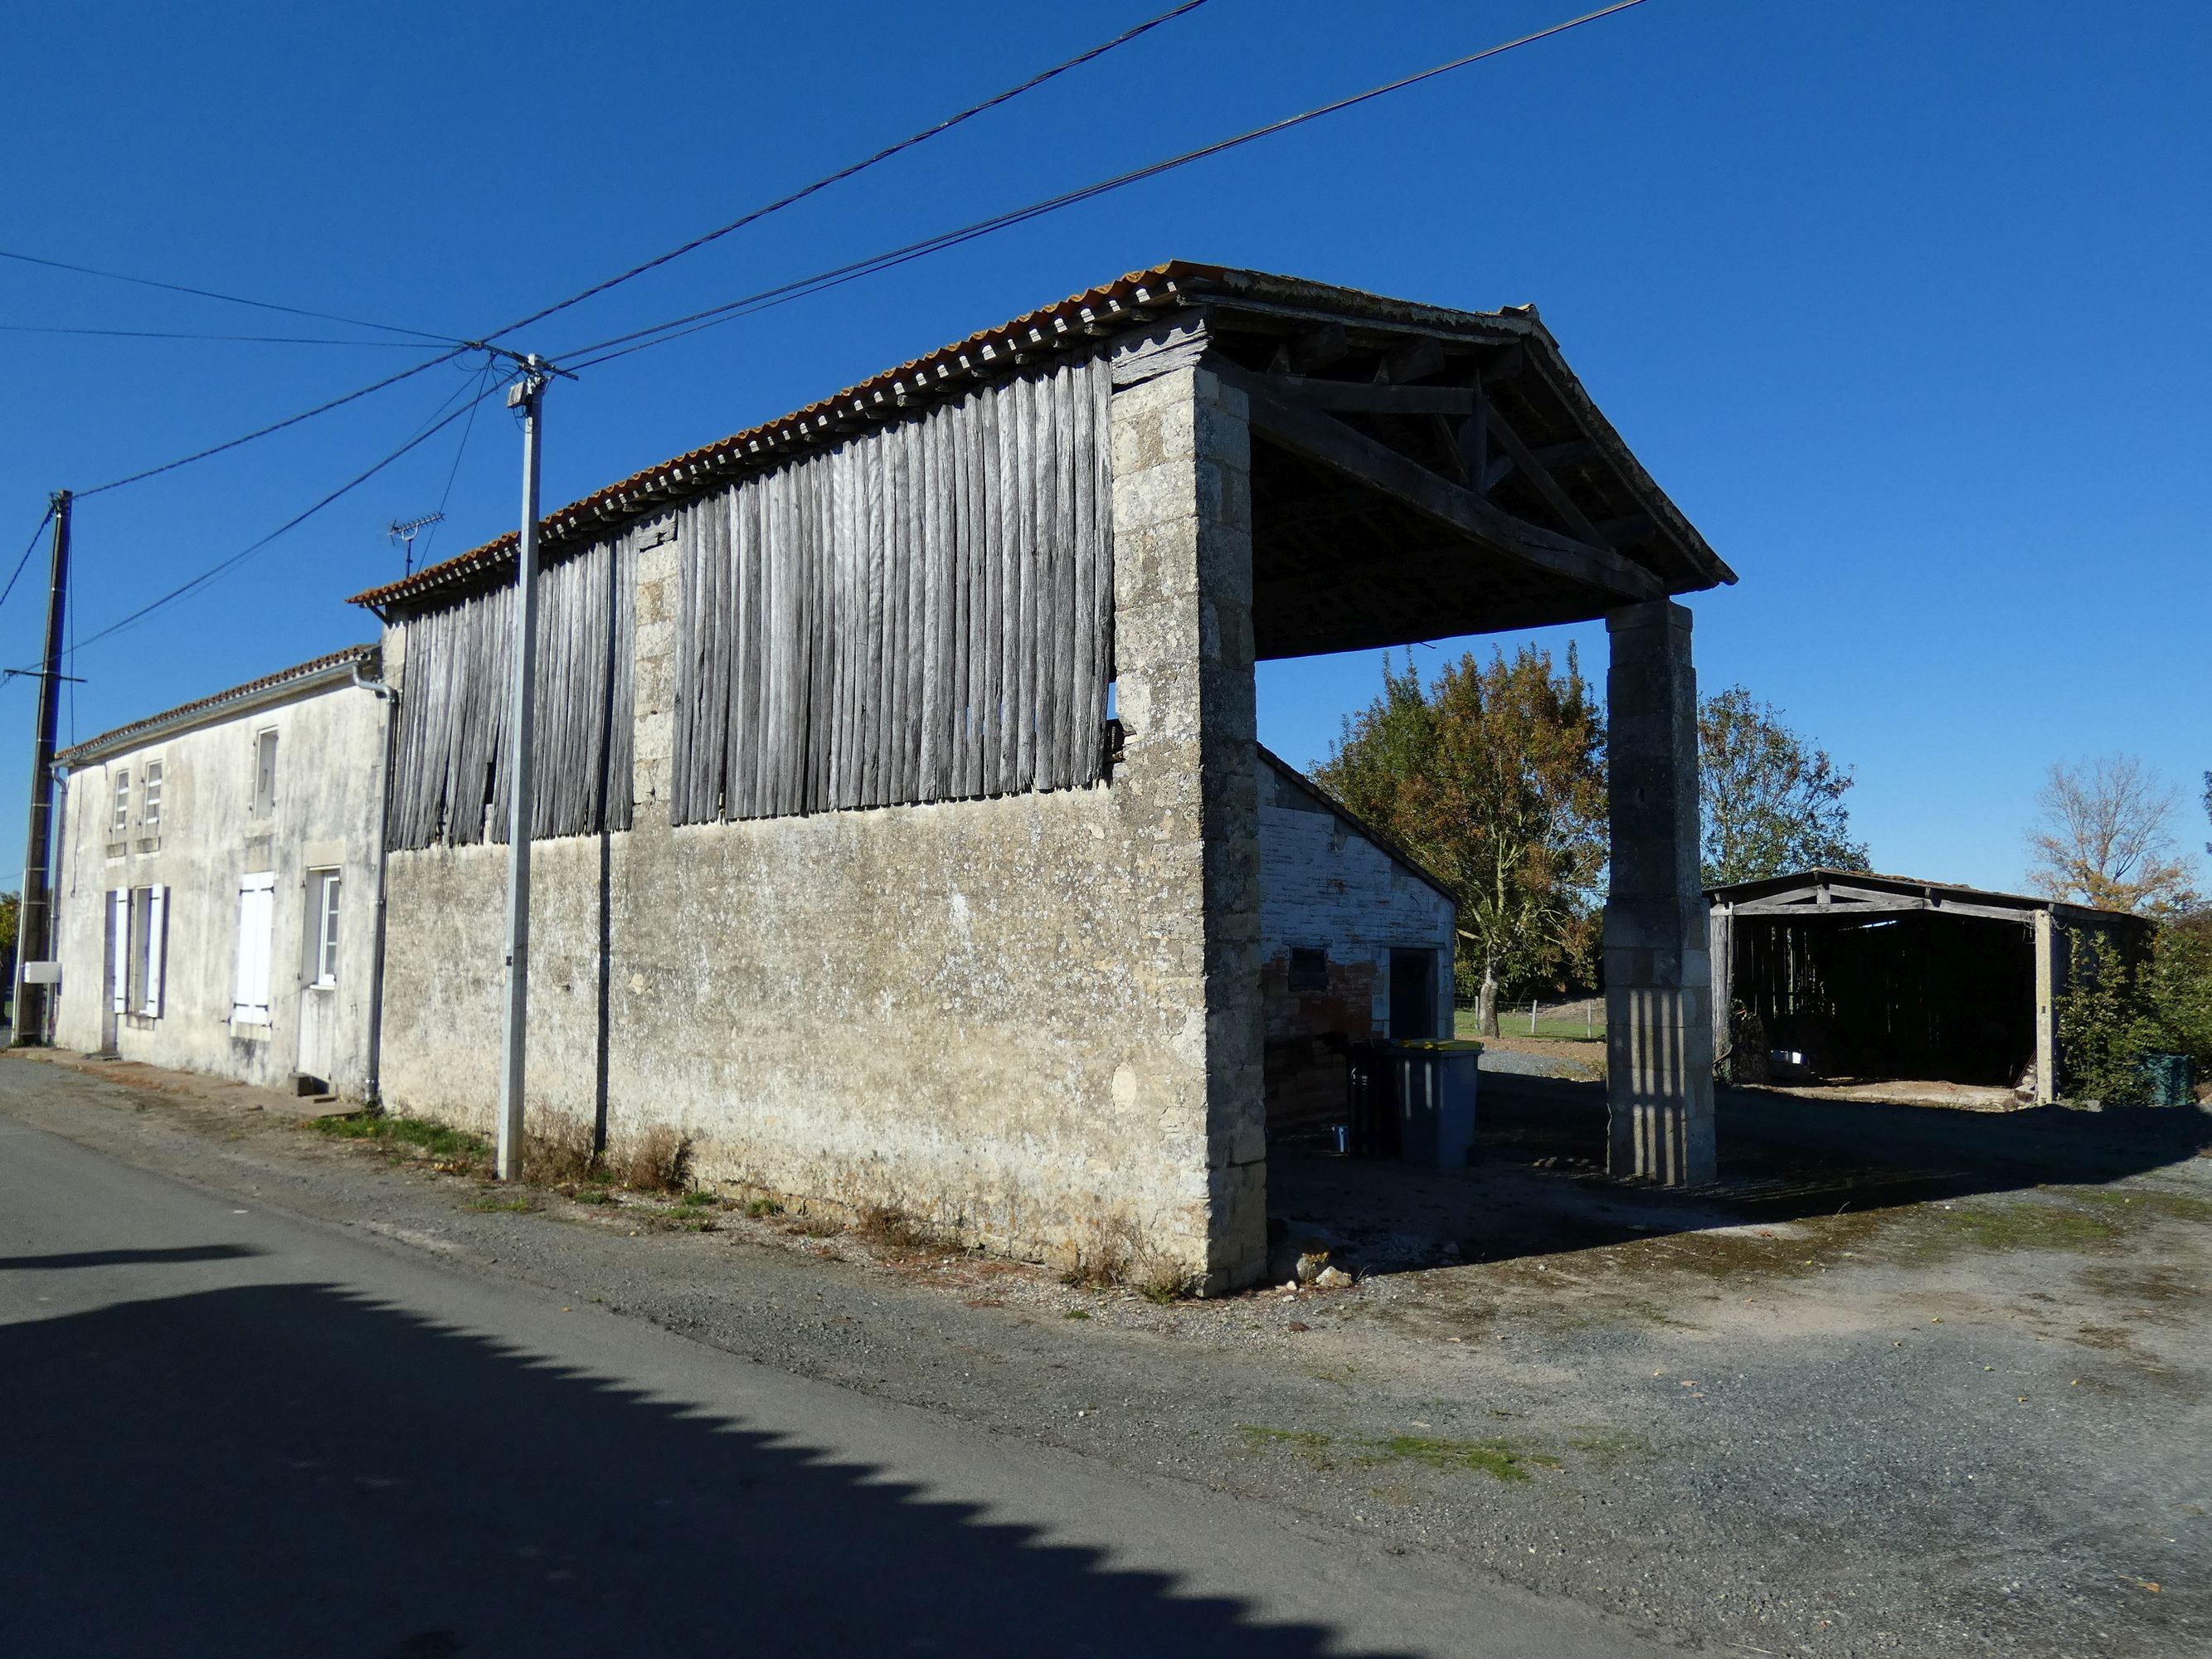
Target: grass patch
(2026, 1225)
(505, 1206)
(453, 1148)
(761, 1208)
(1499, 1458)
(2171, 1207)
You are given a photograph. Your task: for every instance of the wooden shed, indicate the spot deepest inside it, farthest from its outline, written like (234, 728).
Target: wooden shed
(1832, 974)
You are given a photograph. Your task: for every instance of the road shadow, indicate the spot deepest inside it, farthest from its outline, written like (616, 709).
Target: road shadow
(295, 1469)
(125, 1258)
(1538, 1186)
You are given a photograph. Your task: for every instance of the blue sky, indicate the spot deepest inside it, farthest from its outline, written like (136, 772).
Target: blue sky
(1903, 304)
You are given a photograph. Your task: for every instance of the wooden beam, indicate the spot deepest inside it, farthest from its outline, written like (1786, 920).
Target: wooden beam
(1372, 398)
(1544, 483)
(1327, 441)
(1415, 361)
(1318, 348)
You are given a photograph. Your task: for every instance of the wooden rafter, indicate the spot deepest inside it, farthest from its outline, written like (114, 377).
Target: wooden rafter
(1321, 438)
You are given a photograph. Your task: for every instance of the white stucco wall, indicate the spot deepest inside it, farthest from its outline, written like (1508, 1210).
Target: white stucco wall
(330, 762)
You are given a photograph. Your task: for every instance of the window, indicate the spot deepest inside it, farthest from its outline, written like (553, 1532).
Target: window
(322, 965)
(139, 930)
(264, 772)
(257, 916)
(120, 824)
(149, 812)
(1310, 969)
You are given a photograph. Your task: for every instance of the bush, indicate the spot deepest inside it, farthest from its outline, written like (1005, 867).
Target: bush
(2117, 1009)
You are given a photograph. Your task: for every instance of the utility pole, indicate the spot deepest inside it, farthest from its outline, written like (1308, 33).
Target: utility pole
(35, 915)
(527, 394)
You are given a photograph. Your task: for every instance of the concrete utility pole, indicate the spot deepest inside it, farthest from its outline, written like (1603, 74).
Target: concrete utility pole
(527, 394)
(34, 913)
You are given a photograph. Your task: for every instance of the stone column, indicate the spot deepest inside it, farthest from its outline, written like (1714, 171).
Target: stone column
(1658, 982)
(1189, 787)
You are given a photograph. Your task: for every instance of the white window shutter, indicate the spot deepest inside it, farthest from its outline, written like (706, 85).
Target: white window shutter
(157, 946)
(257, 912)
(119, 950)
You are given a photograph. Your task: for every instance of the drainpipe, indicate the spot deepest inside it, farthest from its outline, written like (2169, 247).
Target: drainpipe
(373, 1086)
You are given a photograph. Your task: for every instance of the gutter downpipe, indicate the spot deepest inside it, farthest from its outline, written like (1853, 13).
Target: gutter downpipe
(388, 693)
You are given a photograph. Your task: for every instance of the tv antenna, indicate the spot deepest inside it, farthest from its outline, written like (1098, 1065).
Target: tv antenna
(405, 534)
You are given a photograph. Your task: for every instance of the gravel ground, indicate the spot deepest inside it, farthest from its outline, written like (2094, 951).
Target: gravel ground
(1973, 1423)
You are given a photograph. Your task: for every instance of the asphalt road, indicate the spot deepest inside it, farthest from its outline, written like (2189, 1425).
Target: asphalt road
(236, 1430)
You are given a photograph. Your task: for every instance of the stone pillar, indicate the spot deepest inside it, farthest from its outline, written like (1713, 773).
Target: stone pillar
(653, 674)
(1658, 984)
(1189, 787)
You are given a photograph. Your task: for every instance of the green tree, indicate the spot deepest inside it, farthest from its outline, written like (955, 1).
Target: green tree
(1771, 802)
(2104, 838)
(1494, 777)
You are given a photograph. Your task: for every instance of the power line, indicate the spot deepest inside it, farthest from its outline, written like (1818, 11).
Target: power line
(580, 357)
(278, 426)
(455, 471)
(293, 523)
(241, 339)
(845, 172)
(28, 551)
(210, 294)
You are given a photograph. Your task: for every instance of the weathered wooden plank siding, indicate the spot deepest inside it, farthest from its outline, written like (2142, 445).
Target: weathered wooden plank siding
(923, 613)
(450, 777)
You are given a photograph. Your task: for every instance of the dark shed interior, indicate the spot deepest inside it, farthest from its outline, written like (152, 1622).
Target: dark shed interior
(1924, 995)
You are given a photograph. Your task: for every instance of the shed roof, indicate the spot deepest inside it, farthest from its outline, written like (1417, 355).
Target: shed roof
(295, 681)
(1572, 460)
(1847, 890)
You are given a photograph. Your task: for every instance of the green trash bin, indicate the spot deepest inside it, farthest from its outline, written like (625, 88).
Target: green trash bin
(2167, 1078)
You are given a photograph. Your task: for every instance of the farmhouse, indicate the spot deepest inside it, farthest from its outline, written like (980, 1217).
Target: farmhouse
(214, 902)
(899, 816)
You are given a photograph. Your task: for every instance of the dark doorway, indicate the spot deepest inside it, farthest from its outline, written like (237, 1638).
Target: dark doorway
(1412, 995)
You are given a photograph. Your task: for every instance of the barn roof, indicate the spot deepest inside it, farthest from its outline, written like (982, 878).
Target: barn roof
(1382, 373)
(1843, 892)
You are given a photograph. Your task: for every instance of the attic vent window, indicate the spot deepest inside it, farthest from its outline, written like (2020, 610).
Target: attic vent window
(1309, 969)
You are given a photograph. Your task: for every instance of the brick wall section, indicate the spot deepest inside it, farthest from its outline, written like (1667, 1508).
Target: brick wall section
(1329, 887)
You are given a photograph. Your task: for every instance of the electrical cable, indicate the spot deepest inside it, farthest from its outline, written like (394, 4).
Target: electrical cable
(429, 540)
(290, 524)
(582, 357)
(230, 299)
(750, 218)
(291, 420)
(241, 339)
(845, 172)
(26, 559)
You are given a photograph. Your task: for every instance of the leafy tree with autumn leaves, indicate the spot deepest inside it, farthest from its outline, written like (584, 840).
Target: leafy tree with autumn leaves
(2104, 837)
(1494, 777)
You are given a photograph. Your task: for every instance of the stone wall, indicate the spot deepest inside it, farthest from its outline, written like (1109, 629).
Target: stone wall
(1033, 1020)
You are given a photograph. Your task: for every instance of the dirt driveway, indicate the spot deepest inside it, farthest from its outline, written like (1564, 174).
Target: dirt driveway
(1895, 1387)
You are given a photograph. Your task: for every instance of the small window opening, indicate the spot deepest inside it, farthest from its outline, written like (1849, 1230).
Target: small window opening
(150, 813)
(119, 825)
(264, 772)
(1309, 968)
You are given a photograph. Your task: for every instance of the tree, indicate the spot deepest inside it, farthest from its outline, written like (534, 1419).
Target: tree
(1771, 803)
(2104, 838)
(1494, 776)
